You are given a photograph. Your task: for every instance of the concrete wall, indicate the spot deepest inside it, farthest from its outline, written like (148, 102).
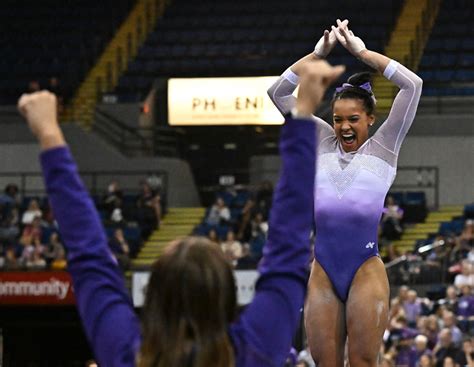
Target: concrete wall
(128, 113)
(93, 154)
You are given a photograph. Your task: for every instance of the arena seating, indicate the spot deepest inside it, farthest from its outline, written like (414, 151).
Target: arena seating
(447, 65)
(224, 38)
(53, 38)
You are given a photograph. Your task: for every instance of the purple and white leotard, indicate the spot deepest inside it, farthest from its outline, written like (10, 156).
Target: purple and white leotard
(351, 187)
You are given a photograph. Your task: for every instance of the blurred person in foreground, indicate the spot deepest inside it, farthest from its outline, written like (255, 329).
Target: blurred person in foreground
(180, 328)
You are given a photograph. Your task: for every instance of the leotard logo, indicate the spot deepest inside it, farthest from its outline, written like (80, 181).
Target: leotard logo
(370, 245)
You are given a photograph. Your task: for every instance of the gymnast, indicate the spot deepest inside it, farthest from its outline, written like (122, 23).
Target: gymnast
(189, 317)
(348, 290)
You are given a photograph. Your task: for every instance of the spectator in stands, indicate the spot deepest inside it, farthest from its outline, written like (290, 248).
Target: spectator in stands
(259, 226)
(432, 331)
(113, 194)
(259, 230)
(468, 351)
(396, 311)
(219, 213)
(426, 361)
(463, 244)
(120, 249)
(149, 209)
(402, 295)
(263, 199)
(466, 276)
(465, 310)
(33, 211)
(35, 258)
(406, 354)
(246, 261)
(245, 217)
(232, 248)
(32, 253)
(32, 233)
(421, 346)
(413, 308)
(470, 255)
(466, 239)
(305, 356)
(386, 362)
(10, 195)
(292, 358)
(449, 322)
(450, 302)
(391, 220)
(212, 236)
(449, 362)
(156, 185)
(9, 228)
(54, 253)
(116, 217)
(445, 348)
(11, 261)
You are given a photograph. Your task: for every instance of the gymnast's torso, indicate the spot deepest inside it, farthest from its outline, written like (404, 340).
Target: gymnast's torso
(350, 193)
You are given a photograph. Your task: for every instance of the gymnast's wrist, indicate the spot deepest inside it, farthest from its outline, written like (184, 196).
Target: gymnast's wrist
(301, 112)
(318, 55)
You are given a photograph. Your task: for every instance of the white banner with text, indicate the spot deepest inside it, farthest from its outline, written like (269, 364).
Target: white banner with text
(244, 282)
(222, 101)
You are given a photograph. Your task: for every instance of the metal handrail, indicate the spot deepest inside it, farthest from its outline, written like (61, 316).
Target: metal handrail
(153, 140)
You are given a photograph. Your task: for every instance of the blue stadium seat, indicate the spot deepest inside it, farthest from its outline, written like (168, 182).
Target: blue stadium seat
(415, 197)
(469, 211)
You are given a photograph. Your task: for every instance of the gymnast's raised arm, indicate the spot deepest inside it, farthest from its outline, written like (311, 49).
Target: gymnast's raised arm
(391, 134)
(281, 92)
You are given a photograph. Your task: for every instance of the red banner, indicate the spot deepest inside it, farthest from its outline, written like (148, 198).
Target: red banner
(41, 288)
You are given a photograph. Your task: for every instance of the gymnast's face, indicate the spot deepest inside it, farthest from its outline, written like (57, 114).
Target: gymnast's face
(351, 123)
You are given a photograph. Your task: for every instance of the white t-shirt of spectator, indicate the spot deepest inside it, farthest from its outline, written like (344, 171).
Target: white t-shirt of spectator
(462, 279)
(232, 247)
(30, 215)
(217, 214)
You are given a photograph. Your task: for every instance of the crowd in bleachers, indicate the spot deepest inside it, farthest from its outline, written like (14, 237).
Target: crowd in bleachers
(29, 237)
(431, 332)
(28, 233)
(425, 332)
(238, 222)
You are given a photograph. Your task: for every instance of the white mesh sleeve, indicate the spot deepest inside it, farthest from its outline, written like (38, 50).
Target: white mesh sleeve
(281, 94)
(391, 134)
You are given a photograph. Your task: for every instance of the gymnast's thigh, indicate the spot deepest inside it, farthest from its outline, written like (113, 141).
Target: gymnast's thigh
(324, 320)
(367, 312)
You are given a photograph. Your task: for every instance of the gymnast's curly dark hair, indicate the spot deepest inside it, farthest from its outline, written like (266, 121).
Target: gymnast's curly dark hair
(358, 93)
